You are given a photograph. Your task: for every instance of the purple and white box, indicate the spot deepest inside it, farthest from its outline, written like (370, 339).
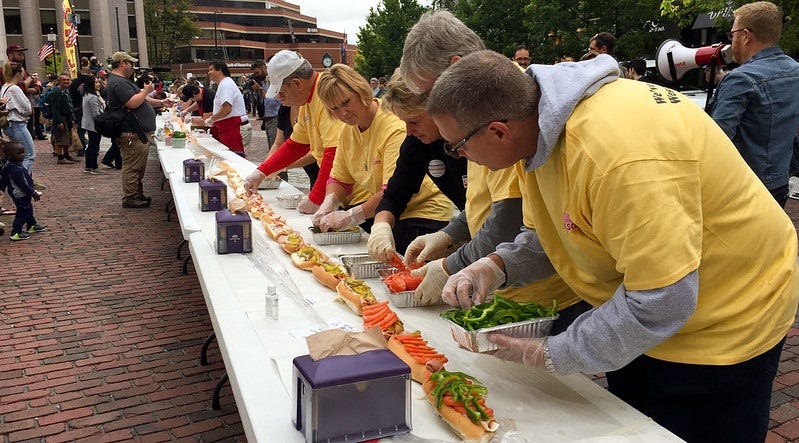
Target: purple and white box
(349, 398)
(233, 232)
(213, 195)
(193, 170)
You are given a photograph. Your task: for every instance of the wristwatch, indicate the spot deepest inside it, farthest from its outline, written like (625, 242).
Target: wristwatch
(549, 365)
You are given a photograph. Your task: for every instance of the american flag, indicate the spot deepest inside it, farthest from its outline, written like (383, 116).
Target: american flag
(47, 50)
(73, 35)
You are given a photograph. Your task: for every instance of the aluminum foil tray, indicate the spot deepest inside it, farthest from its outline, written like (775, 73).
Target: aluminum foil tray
(477, 340)
(289, 201)
(362, 265)
(335, 238)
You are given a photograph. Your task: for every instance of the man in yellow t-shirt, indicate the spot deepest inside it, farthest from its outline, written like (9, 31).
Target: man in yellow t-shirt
(652, 217)
(294, 82)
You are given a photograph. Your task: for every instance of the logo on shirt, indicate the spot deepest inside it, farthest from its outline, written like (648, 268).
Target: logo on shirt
(436, 168)
(663, 95)
(568, 224)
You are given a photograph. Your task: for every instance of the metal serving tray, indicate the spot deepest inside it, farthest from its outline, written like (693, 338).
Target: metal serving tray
(269, 184)
(335, 238)
(477, 340)
(289, 201)
(362, 265)
(402, 299)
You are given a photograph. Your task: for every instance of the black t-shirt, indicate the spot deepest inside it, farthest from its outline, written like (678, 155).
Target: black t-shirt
(119, 91)
(415, 160)
(207, 102)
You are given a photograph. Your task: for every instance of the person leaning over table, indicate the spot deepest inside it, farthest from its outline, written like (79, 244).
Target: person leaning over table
(421, 155)
(197, 101)
(294, 82)
(366, 159)
(688, 260)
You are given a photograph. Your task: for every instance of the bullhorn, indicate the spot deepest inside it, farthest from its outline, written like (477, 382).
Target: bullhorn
(673, 59)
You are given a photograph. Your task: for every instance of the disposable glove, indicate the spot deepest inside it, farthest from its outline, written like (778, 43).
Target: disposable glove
(339, 220)
(527, 351)
(381, 242)
(330, 204)
(306, 206)
(428, 247)
(474, 284)
(253, 180)
(434, 277)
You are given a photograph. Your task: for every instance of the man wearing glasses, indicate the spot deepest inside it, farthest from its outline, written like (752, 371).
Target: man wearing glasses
(522, 56)
(757, 103)
(689, 264)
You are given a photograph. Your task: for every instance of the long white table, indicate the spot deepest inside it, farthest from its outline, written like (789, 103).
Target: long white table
(258, 350)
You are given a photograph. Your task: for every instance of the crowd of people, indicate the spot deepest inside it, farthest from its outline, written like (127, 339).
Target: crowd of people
(659, 232)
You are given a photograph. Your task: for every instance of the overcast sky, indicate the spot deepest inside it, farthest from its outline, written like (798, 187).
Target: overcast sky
(340, 16)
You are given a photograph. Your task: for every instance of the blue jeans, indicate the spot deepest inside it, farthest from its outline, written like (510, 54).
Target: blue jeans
(24, 214)
(18, 132)
(702, 403)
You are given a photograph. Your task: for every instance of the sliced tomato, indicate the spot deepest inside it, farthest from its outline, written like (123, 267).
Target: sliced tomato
(395, 283)
(411, 282)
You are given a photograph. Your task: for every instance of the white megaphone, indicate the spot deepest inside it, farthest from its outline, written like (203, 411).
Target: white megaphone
(673, 59)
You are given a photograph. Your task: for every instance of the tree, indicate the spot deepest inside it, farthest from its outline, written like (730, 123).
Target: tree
(169, 24)
(380, 39)
(500, 23)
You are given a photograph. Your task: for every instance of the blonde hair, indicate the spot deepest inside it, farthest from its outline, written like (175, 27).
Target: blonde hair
(400, 98)
(340, 81)
(763, 19)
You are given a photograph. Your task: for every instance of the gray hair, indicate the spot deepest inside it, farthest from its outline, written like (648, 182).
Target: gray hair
(305, 71)
(482, 87)
(399, 98)
(432, 42)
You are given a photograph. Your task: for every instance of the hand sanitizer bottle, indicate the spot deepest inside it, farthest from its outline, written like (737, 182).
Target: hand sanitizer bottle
(271, 302)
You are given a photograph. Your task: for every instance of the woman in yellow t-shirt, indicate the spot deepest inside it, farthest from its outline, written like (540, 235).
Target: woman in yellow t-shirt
(366, 158)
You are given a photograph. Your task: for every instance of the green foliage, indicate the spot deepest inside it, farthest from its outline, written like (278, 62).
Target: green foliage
(380, 40)
(169, 24)
(500, 23)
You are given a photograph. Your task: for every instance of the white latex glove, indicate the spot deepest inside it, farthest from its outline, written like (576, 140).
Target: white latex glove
(527, 351)
(434, 278)
(330, 204)
(381, 242)
(339, 220)
(253, 180)
(428, 247)
(474, 284)
(306, 206)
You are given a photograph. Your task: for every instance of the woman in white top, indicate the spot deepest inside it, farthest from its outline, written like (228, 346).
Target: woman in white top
(93, 106)
(19, 111)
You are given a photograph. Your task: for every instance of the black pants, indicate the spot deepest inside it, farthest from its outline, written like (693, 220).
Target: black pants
(24, 215)
(408, 229)
(780, 194)
(702, 403)
(567, 316)
(113, 156)
(92, 149)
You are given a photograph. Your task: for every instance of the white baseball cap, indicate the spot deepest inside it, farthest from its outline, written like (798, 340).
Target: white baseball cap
(279, 67)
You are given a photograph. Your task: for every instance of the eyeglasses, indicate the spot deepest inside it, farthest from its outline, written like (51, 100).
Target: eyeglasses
(452, 150)
(731, 34)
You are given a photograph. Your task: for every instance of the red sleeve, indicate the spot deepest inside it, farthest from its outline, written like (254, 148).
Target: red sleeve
(317, 194)
(289, 152)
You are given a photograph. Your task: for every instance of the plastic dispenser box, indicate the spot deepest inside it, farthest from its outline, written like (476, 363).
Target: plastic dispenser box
(213, 195)
(193, 170)
(233, 232)
(351, 398)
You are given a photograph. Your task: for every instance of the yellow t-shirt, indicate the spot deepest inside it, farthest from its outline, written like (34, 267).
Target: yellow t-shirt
(315, 126)
(367, 159)
(486, 187)
(644, 204)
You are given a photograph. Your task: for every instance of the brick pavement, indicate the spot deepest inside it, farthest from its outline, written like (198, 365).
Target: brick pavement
(100, 331)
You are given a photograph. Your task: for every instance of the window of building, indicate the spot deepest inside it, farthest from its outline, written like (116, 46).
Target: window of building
(48, 21)
(131, 26)
(13, 21)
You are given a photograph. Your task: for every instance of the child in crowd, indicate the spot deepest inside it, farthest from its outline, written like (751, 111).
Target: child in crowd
(19, 185)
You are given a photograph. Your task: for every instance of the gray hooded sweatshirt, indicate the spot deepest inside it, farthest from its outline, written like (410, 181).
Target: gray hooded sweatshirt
(631, 322)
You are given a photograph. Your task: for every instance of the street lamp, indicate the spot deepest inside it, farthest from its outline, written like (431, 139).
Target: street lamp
(216, 44)
(51, 39)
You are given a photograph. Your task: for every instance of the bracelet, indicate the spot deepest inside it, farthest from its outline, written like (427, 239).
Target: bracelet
(549, 365)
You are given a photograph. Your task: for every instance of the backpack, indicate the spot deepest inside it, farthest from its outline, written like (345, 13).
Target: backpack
(46, 105)
(109, 122)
